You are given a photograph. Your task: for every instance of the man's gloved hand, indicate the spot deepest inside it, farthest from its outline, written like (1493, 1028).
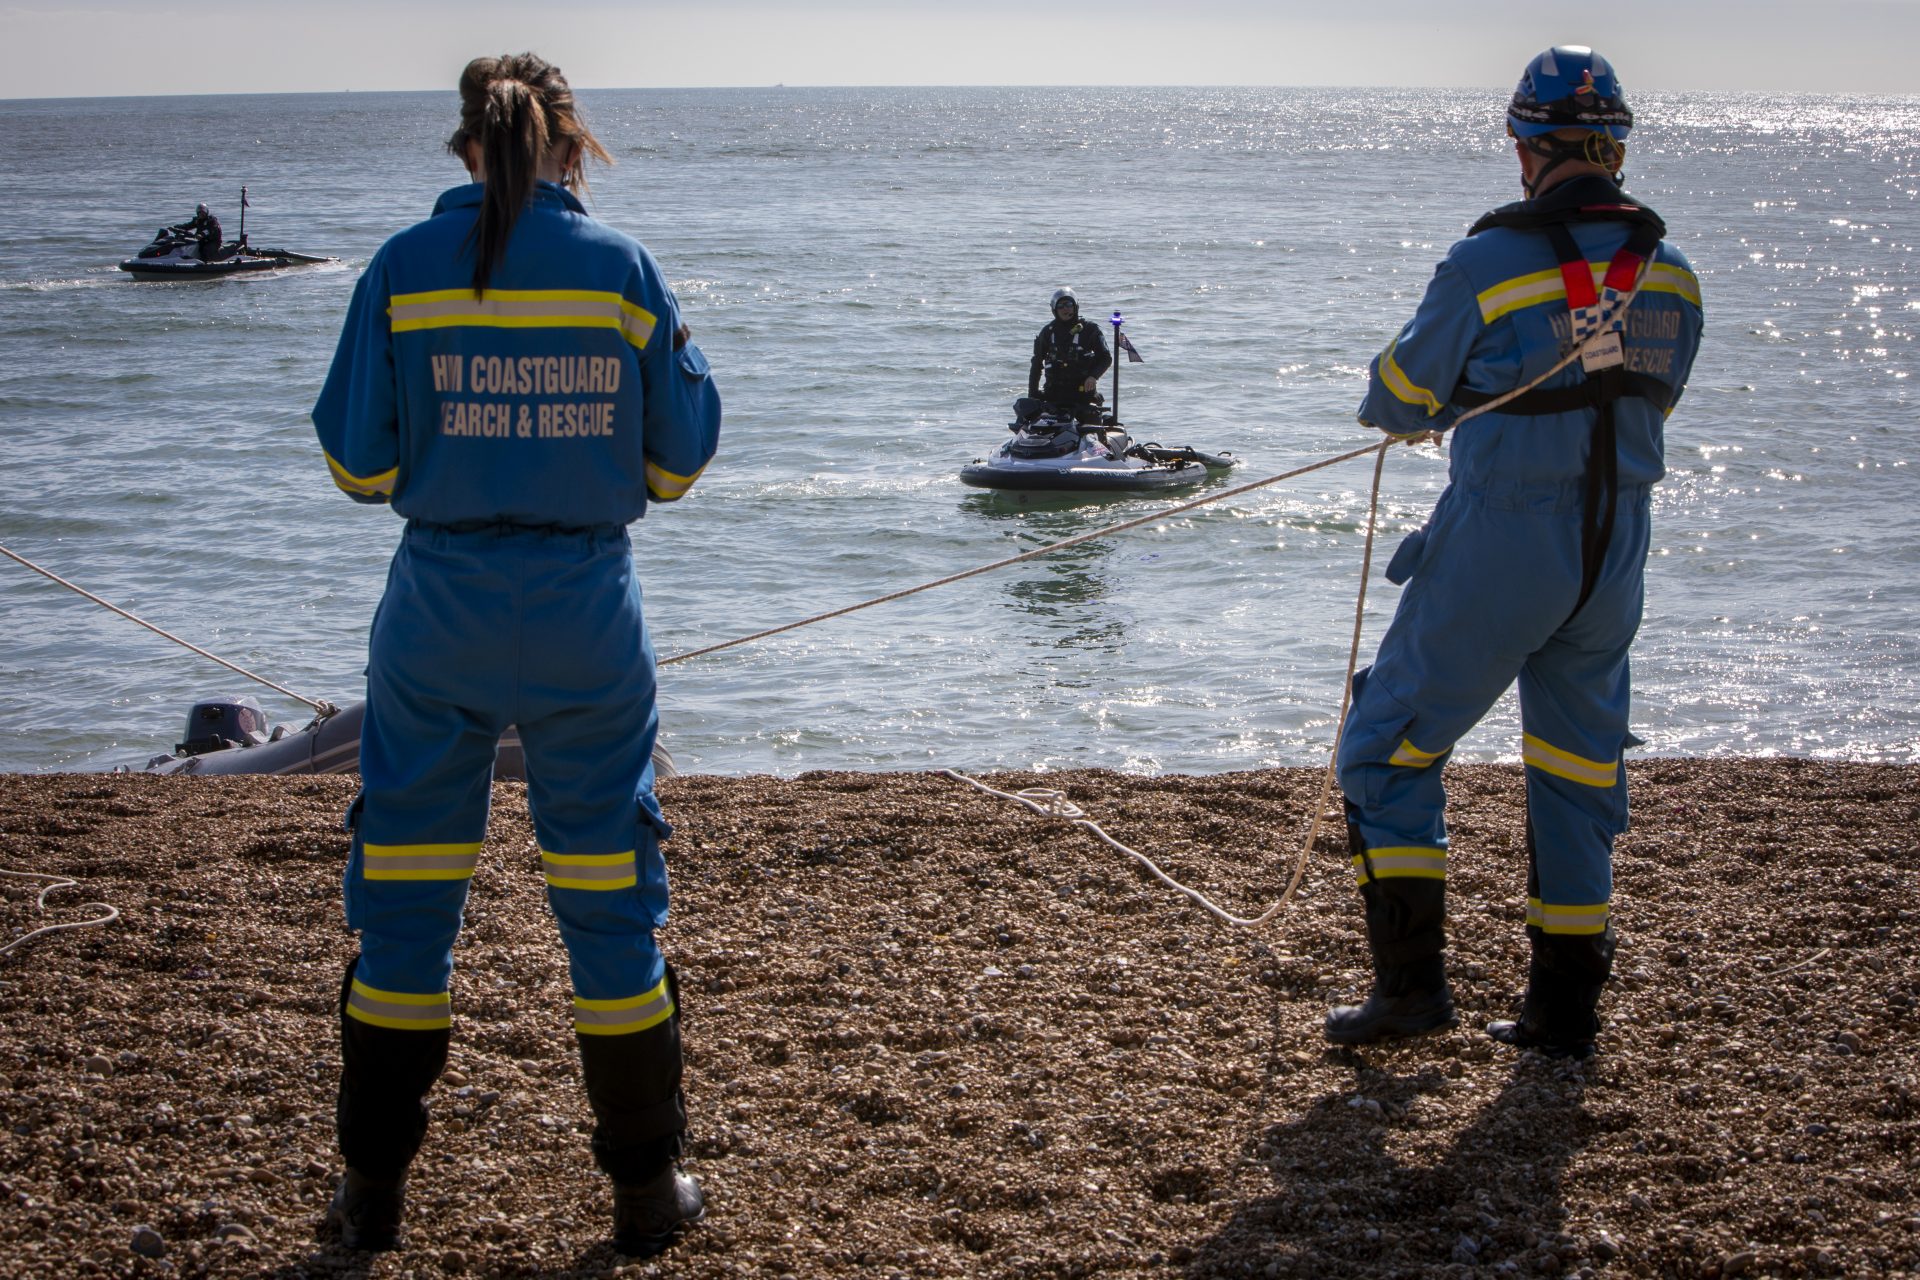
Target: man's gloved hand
(1090, 384)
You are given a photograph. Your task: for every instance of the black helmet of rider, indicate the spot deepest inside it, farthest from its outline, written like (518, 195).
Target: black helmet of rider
(201, 210)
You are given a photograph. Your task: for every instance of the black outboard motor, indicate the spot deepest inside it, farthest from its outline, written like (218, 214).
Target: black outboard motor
(220, 723)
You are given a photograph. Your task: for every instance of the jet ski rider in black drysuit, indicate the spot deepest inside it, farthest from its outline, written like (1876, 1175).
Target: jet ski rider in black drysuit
(204, 229)
(1071, 354)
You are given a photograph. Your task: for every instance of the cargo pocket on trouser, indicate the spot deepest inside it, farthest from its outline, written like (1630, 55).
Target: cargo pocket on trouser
(1408, 555)
(1386, 774)
(353, 882)
(650, 865)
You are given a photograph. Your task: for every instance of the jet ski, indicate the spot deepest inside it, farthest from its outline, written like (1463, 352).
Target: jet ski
(173, 255)
(231, 735)
(1055, 452)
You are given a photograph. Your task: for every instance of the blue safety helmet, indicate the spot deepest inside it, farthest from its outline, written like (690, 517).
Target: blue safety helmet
(1569, 87)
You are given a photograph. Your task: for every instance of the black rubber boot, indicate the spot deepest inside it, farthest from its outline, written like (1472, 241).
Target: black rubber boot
(640, 1122)
(384, 1078)
(648, 1215)
(367, 1213)
(1406, 931)
(1559, 1015)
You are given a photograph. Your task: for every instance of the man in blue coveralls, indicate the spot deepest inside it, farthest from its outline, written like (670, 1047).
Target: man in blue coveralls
(1530, 566)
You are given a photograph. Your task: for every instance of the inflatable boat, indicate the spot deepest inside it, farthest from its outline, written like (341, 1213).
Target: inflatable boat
(1056, 453)
(230, 735)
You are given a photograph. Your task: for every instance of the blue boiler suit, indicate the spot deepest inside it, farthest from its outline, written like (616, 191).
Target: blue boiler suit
(1494, 581)
(519, 432)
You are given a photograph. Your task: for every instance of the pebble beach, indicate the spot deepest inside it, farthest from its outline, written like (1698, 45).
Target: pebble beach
(932, 1034)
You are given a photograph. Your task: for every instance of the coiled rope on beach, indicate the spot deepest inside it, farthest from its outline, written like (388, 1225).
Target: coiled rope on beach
(57, 881)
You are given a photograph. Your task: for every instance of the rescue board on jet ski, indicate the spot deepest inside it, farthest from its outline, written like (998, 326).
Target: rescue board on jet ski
(330, 744)
(183, 266)
(1042, 457)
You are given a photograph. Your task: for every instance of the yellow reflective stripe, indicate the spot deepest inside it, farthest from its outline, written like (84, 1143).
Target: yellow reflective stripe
(589, 870)
(1526, 291)
(1557, 918)
(522, 309)
(1550, 286)
(1543, 755)
(1406, 862)
(1403, 389)
(666, 486)
(1408, 754)
(1669, 279)
(638, 325)
(625, 1016)
(400, 1010)
(365, 485)
(419, 861)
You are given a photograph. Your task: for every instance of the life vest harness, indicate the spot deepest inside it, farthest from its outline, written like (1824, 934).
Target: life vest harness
(1058, 354)
(1599, 388)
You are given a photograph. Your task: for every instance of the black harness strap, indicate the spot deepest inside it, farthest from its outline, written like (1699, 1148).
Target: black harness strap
(1597, 390)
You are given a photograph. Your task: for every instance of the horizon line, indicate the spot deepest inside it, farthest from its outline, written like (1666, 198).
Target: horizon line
(782, 86)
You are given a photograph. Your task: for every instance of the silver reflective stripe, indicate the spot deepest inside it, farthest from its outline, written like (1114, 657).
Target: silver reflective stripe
(1425, 863)
(619, 1017)
(1553, 918)
(419, 861)
(589, 871)
(399, 1010)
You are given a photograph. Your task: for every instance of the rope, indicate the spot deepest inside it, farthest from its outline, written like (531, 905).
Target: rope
(1048, 549)
(1054, 804)
(322, 706)
(58, 882)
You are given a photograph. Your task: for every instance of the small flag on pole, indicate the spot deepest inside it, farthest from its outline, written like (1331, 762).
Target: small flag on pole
(1126, 345)
(244, 202)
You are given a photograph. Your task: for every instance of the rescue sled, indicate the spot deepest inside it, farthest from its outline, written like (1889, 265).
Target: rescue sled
(1055, 453)
(230, 735)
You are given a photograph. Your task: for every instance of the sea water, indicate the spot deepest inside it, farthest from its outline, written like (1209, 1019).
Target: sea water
(866, 270)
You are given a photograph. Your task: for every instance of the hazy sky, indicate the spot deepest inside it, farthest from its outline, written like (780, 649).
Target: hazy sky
(223, 46)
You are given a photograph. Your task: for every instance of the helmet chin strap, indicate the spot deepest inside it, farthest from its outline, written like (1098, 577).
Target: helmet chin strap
(1596, 149)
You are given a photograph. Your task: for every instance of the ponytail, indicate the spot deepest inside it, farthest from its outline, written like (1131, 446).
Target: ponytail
(515, 109)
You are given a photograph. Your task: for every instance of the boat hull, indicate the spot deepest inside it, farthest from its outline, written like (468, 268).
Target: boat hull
(332, 745)
(181, 268)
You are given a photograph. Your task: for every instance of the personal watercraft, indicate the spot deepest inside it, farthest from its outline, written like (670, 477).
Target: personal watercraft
(175, 253)
(176, 256)
(1055, 452)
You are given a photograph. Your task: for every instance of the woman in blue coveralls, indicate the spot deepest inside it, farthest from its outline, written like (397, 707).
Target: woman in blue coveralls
(1531, 566)
(514, 379)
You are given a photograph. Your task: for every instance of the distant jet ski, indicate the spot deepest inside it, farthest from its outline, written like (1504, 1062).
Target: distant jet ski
(230, 735)
(176, 256)
(1056, 453)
